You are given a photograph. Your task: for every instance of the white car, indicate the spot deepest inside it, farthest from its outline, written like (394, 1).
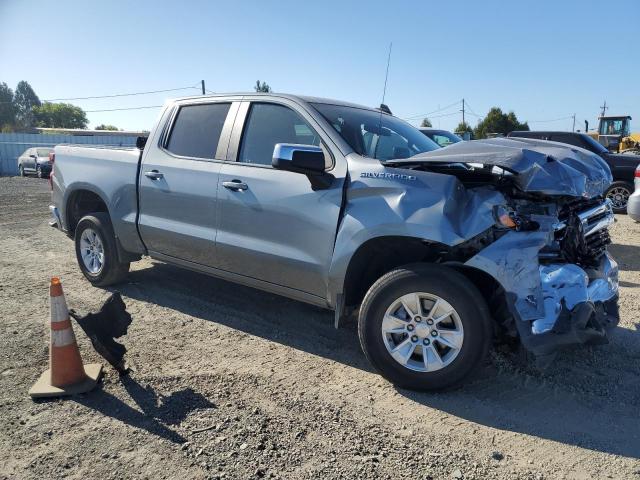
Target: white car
(633, 207)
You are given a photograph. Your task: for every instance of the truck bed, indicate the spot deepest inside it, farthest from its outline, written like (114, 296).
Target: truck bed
(109, 172)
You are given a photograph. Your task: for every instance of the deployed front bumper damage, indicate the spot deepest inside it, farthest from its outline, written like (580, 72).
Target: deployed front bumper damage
(554, 304)
(580, 306)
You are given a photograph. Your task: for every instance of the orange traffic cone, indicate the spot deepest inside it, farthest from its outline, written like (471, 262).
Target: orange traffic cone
(67, 375)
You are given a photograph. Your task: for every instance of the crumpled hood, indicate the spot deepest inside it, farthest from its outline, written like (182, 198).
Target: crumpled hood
(540, 166)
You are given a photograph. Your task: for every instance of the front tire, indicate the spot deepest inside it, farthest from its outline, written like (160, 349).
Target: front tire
(619, 193)
(424, 327)
(21, 170)
(96, 251)
(39, 171)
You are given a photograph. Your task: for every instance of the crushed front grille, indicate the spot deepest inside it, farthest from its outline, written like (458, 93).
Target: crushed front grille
(584, 234)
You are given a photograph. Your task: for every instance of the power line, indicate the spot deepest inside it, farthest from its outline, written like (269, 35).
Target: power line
(604, 108)
(121, 94)
(435, 111)
(438, 116)
(470, 110)
(550, 120)
(444, 115)
(118, 109)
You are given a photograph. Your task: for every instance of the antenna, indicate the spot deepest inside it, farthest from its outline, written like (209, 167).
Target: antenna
(383, 107)
(386, 75)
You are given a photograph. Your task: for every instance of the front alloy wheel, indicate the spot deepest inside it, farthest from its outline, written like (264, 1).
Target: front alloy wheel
(425, 327)
(422, 332)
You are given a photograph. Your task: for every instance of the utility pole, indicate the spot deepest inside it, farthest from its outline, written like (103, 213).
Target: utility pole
(202, 82)
(463, 122)
(573, 129)
(604, 108)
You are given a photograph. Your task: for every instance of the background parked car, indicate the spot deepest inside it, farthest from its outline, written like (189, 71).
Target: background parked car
(622, 166)
(443, 138)
(633, 207)
(35, 161)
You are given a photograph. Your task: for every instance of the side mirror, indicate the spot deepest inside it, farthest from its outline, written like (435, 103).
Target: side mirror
(306, 159)
(33, 156)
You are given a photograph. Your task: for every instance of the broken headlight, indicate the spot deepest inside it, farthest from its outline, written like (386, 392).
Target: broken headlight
(507, 217)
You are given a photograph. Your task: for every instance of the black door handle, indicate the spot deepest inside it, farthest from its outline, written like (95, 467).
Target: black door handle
(235, 185)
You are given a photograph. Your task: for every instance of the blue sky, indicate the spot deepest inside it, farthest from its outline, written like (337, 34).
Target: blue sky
(543, 59)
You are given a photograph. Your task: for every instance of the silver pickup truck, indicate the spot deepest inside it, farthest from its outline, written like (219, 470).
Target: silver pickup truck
(440, 251)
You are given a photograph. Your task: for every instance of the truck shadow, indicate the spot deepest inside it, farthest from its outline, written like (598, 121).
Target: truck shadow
(155, 413)
(557, 405)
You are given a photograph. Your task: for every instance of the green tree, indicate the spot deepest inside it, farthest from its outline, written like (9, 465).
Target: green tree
(497, 122)
(426, 123)
(7, 108)
(262, 87)
(463, 127)
(102, 126)
(25, 100)
(60, 115)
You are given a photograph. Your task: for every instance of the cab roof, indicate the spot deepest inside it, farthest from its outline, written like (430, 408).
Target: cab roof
(295, 98)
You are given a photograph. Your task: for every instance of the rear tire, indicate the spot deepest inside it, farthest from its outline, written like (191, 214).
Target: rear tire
(96, 251)
(619, 193)
(467, 328)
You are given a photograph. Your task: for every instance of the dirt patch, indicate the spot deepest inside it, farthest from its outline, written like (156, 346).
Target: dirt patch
(230, 382)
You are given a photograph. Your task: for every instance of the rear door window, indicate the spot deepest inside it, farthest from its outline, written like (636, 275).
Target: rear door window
(196, 130)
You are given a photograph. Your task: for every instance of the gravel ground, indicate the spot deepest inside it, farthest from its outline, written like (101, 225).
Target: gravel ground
(230, 382)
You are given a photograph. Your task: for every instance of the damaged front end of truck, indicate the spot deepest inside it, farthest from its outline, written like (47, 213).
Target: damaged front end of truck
(547, 246)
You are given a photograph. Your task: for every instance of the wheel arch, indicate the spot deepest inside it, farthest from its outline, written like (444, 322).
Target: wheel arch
(81, 201)
(493, 294)
(379, 255)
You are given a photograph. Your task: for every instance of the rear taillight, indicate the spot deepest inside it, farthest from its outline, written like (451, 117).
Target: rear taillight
(638, 171)
(52, 159)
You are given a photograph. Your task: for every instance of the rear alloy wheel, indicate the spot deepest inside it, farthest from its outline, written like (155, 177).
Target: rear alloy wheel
(618, 193)
(425, 327)
(96, 250)
(91, 251)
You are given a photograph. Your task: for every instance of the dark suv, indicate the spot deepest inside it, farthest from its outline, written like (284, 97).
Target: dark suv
(622, 166)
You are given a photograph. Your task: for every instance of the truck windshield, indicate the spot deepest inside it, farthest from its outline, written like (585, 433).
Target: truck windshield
(375, 135)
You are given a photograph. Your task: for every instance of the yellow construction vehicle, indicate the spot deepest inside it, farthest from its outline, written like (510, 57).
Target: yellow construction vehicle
(614, 132)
